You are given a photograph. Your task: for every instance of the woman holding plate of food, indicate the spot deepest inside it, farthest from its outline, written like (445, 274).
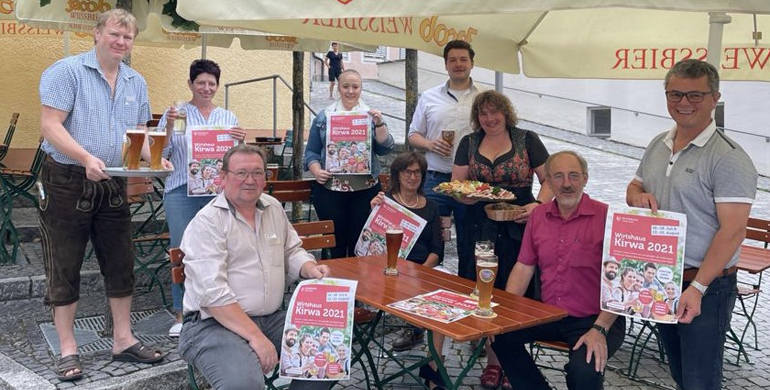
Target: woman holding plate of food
(500, 154)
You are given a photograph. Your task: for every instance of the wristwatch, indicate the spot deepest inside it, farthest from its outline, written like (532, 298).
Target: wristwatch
(701, 288)
(381, 124)
(600, 329)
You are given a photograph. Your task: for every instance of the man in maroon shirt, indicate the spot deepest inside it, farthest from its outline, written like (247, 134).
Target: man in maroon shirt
(564, 239)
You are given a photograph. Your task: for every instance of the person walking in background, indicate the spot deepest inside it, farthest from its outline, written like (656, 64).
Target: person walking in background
(345, 198)
(88, 102)
(203, 82)
(500, 154)
(333, 61)
(695, 169)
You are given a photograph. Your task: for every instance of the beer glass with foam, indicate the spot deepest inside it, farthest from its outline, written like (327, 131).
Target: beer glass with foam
(486, 273)
(134, 149)
(393, 239)
(157, 139)
(482, 248)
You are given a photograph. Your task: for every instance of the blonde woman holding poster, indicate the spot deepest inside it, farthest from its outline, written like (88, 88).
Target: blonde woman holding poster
(201, 111)
(338, 194)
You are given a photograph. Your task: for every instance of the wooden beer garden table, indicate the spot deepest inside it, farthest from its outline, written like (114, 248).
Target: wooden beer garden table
(379, 290)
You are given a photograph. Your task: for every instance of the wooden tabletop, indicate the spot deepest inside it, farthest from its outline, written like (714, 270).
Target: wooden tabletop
(753, 259)
(379, 290)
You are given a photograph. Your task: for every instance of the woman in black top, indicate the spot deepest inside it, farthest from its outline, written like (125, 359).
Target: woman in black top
(407, 177)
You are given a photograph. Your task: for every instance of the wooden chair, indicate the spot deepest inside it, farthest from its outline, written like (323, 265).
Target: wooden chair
(21, 181)
(754, 260)
(8, 137)
(151, 236)
(315, 235)
(292, 191)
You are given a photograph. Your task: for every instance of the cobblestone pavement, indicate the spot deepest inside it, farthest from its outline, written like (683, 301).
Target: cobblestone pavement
(26, 361)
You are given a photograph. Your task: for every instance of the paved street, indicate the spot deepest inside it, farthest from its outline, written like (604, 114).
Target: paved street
(25, 356)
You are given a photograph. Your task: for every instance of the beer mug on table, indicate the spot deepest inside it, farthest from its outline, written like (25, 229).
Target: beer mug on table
(482, 248)
(157, 138)
(393, 239)
(180, 123)
(135, 139)
(486, 273)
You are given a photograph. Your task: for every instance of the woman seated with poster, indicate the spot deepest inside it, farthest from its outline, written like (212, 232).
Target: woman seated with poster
(201, 111)
(407, 177)
(345, 183)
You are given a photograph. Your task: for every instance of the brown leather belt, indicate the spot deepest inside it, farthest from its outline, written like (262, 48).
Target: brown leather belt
(690, 273)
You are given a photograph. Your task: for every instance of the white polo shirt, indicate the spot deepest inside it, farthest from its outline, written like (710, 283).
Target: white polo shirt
(437, 109)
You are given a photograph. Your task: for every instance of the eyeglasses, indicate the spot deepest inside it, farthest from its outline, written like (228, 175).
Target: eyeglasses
(415, 173)
(572, 176)
(243, 175)
(692, 96)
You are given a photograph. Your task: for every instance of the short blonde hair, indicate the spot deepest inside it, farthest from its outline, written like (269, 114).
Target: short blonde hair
(120, 16)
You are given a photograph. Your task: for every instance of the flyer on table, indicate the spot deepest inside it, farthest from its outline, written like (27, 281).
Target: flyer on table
(389, 215)
(440, 305)
(643, 261)
(206, 146)
(348, 143)
(318, 331)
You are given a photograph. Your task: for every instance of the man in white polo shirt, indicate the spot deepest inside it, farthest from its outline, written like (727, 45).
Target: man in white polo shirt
(695, 169)
(446, 107)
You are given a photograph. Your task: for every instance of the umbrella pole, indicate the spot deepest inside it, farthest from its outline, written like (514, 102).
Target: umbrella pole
(66, 43)
(717, 21)
(204, 39)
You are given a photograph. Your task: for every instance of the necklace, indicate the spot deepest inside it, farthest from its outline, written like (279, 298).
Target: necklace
(416, 202)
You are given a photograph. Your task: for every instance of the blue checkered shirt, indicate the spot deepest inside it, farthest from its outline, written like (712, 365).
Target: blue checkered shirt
(97, 120)
(177, 145)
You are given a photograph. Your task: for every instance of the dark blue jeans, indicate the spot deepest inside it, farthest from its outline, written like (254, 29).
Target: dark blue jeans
(695, 350)
(521, 370)
(448, 206)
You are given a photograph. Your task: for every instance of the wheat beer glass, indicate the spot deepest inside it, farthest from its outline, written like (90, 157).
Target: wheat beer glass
(157, 139)
(482, 248)
(180, 123)
(393, 239)
(486, 273)
(448, 135)
(134, 152)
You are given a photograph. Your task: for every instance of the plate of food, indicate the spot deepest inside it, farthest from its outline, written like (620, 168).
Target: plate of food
(141, 172)
(474, 189)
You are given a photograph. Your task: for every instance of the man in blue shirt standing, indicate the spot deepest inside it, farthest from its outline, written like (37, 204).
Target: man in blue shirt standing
(88, 102)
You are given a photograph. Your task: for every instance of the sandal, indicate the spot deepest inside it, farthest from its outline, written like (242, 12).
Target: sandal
(66, 364)
(490, 377)
(506, 385)
(431, 376)
(138, 353)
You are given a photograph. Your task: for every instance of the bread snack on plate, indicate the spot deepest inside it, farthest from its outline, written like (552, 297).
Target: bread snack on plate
(473, 189)
(503, 211)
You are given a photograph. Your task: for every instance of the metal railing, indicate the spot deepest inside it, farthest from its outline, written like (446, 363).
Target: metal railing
(592, 104)
(275, 79)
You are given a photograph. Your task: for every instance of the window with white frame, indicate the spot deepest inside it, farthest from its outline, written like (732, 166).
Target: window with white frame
(379, 55)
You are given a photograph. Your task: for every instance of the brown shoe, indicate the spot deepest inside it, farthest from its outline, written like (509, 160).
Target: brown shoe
(408, 339)
(362, 316)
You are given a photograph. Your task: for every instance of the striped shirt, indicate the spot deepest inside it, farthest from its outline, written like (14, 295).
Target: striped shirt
(177, 144)
(97, 119)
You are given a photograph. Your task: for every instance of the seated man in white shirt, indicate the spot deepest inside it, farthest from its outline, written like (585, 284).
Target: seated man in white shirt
(239, 250)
